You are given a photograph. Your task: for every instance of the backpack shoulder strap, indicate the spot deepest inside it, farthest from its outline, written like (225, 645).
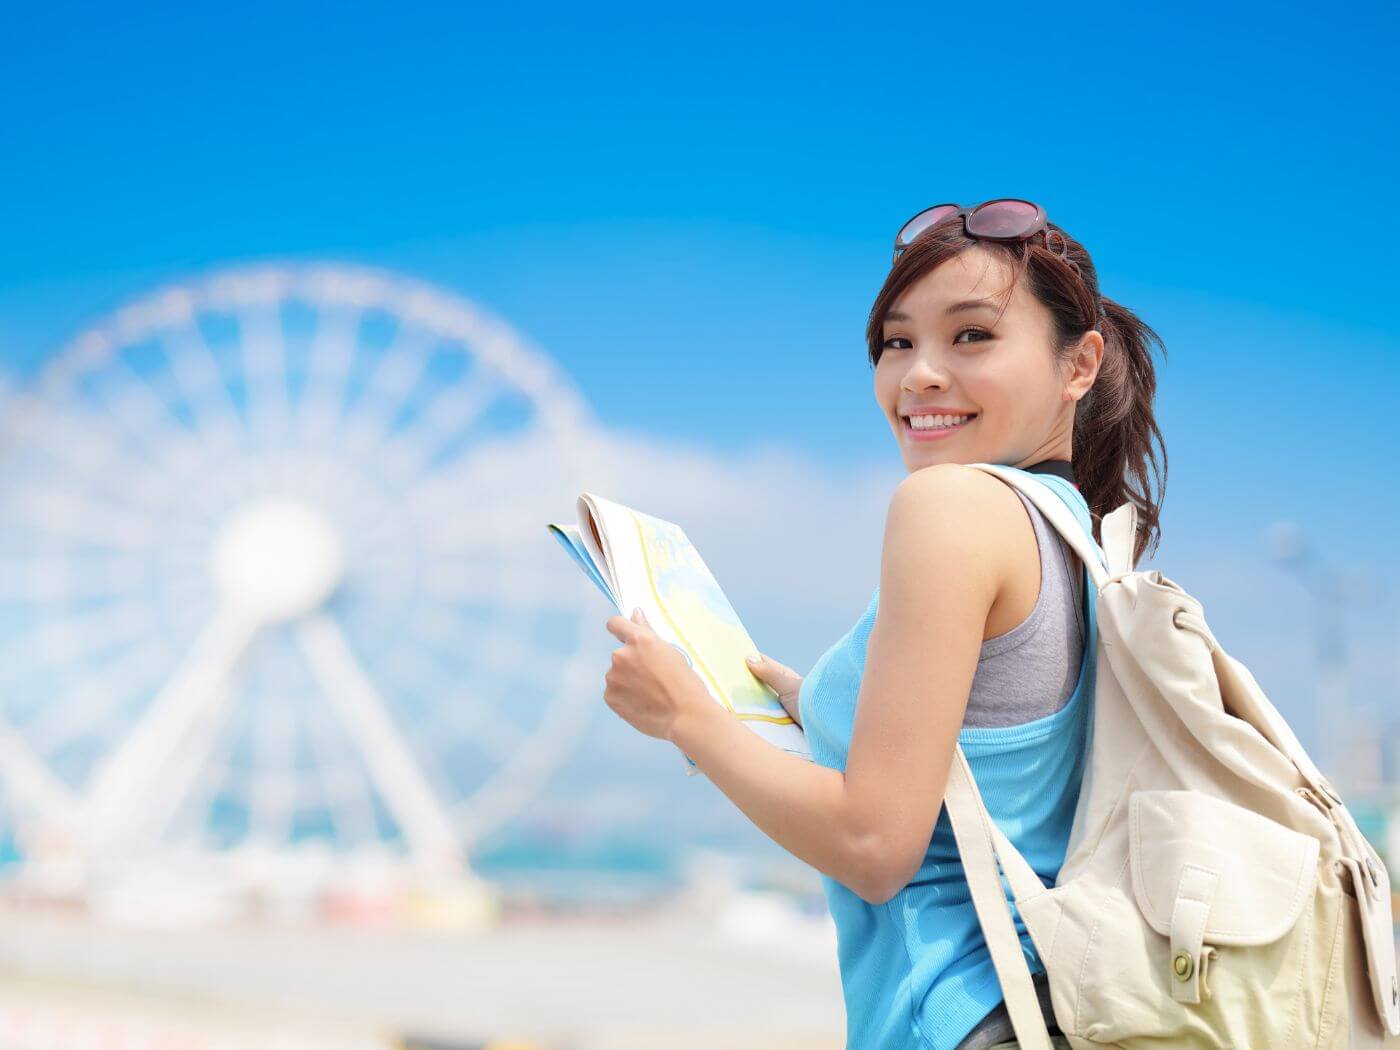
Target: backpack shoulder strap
(1119, 530)
(1059, 514)
(980, 844)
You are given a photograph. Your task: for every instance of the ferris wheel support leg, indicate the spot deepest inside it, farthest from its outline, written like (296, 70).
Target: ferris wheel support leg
(117, 803)
(425, 823)
(184, 766)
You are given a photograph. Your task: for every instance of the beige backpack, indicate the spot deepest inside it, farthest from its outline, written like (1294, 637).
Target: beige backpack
(1215, 890)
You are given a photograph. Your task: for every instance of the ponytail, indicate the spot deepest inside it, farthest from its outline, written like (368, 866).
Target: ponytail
(1114, 428)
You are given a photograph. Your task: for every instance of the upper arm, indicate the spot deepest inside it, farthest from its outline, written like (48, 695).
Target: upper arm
(940, 572)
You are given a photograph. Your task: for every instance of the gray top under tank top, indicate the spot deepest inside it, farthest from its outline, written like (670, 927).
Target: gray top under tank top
(1030, 671)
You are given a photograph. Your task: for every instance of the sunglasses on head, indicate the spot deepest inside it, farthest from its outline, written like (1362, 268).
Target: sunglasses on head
(1002, 219)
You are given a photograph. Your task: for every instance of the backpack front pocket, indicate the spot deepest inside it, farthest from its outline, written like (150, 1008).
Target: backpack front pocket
(1200, 944)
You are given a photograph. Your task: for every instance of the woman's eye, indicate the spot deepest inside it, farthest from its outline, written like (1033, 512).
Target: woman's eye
(888, 344)
(985, 334)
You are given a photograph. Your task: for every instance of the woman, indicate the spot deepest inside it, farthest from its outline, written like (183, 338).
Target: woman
(990, 343)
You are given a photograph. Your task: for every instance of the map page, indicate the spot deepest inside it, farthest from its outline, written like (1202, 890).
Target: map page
(636, 559)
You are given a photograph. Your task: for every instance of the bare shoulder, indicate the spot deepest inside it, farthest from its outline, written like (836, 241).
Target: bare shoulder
(968, 512)
(961, 493)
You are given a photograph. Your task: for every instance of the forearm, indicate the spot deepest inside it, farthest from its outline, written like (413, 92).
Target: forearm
(801, 805)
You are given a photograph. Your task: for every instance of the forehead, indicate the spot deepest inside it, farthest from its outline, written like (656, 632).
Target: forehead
(971, 274)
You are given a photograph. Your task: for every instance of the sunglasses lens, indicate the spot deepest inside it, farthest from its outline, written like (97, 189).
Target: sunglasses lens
(1002, 218)
(923, 221)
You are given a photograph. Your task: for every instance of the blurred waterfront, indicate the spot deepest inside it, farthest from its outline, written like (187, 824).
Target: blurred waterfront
(708, 969)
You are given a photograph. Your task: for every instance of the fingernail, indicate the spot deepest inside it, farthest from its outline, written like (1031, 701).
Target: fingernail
(755, 659)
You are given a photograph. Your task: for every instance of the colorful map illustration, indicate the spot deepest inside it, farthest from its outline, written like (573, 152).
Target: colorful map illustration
(701, 618)
(650, 562)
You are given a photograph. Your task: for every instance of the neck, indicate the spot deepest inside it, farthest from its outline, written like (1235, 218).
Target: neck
(1059, 467)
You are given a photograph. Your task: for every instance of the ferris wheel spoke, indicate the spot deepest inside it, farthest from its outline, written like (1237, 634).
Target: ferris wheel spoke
(510, 589)
(346, 790)
(491, 731)
(126, 778)
(31, 783)
(455, 409)
(46, 578)
(391, 764)
(86, 705)
(69, 512)
(394, 376)
(491, 476)
(214, 415)
(95, 452)
(488, 732)
(328, 371)
(498, 647)
(400, 457)
(61, 639)
(409, 453)
(195, 368)
(503, 796)
(273, 797)
(265, 370)
(481, 532)
(152, 427)
(150, 408)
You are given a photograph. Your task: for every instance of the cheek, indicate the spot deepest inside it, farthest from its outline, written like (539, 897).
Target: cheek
(1002, 381)
(886, 385)
(989, 387)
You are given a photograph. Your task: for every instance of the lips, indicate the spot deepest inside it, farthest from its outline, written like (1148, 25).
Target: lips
(936, 433)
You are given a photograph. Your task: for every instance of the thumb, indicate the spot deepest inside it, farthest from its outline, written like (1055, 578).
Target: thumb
(768, 669)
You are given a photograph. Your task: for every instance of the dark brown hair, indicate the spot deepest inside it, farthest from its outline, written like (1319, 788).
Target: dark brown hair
(1114, 426)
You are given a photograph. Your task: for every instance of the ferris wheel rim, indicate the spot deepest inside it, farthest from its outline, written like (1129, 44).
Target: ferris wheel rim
(250, 283)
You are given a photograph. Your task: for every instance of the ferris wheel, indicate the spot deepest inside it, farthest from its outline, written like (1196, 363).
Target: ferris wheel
(271, 570)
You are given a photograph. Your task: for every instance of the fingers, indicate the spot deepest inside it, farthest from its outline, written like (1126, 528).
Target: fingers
(771, 671)
(790, 707)
(781, 678)
(621, 628)
(788, 698)
(785, 672)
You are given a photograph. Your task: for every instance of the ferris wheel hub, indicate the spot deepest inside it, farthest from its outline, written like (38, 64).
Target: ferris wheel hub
(277, 559)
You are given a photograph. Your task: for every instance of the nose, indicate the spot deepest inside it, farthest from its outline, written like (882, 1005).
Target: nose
(924, 372)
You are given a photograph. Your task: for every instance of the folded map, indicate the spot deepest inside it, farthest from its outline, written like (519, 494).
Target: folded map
(638, 560)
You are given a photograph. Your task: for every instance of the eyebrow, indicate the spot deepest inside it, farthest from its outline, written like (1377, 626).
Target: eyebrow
(958, 307)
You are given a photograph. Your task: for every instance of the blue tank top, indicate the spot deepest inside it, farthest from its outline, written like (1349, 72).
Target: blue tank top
(915, 971)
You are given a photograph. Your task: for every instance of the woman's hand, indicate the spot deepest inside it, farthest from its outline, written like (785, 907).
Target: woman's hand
(651, 683)
(782, 679)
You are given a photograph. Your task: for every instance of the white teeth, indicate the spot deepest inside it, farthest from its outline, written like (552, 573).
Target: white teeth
(936, 422)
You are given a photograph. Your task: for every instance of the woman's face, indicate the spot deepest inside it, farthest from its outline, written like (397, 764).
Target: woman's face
(944, 352)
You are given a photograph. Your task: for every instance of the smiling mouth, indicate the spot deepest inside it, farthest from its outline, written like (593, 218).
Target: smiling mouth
(930, 433)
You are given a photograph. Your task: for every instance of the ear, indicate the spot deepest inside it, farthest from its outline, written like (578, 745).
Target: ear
(1084, 365)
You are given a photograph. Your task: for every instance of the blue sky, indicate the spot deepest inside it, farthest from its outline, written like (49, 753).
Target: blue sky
(691, 209)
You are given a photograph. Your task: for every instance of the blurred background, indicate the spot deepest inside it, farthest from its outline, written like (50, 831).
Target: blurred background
(311, 318)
